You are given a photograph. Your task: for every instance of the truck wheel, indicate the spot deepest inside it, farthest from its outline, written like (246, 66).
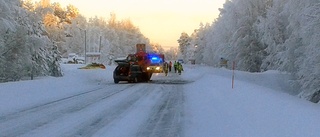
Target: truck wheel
(145, 77)
(116, 81)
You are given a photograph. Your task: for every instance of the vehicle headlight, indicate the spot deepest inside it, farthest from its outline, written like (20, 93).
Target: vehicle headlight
(148, 68)
(157, 68)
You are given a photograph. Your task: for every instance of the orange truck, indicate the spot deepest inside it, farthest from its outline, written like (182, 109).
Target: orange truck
(139, 66)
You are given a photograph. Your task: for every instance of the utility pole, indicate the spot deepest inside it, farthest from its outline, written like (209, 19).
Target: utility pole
(99, 50)
(100, 45)
(85, 46)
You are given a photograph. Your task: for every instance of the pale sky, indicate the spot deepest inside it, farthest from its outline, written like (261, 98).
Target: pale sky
(162, 21)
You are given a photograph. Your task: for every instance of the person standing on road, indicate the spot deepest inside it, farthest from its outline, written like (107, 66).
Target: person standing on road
(179, 68)
(165, 68)
(170, 66)
(175, 65)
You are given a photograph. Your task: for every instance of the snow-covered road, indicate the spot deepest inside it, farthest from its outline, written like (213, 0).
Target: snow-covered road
(200, 102)
(152, 109)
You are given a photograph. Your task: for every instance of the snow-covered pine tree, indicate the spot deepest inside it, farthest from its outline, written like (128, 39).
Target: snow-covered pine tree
(272, 34)
(15, 55)
(234, 34)
(23, 43)
(184, 44)
(244, 41)
(44, 58)
(308, 63)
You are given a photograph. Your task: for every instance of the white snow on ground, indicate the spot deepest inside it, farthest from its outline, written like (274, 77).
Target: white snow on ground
(259, 105)
(252, 108)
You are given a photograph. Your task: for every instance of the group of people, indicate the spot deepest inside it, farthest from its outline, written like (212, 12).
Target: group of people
(176, 65)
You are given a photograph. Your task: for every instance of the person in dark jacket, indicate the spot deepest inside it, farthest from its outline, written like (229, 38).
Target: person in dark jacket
(170, 66)
(165, 68)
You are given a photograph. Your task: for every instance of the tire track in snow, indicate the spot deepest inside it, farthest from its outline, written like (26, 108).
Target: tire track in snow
(108, 115)
(24, 121)
(166, 119)
(51, 102)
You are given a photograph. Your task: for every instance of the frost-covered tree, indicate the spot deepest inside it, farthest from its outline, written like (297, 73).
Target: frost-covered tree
(184, 44)
(234, 35)
(23, 40)
(265, 35)
(198, 43)
(71, 13)
(156, 48)
(245, 45)
(15, 55)
(272, 33)
(28, 5)
(201, 43)
(171, 54)
(111, 37)
(308, 61)
(289, 32)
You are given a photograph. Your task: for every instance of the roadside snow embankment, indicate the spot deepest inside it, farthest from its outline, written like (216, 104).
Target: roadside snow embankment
(24, 94)
(259, 105)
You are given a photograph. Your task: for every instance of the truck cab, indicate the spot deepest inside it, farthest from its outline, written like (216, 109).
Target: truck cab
(127, 72)
(139, 66)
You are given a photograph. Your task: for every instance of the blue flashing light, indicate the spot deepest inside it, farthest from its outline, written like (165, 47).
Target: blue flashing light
(154, 58)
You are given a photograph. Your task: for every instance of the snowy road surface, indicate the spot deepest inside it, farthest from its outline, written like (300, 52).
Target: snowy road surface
(200, 102)
(95, 112)
(153, 109)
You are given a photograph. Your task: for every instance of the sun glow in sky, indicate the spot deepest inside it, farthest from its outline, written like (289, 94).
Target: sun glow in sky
(162, 21)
